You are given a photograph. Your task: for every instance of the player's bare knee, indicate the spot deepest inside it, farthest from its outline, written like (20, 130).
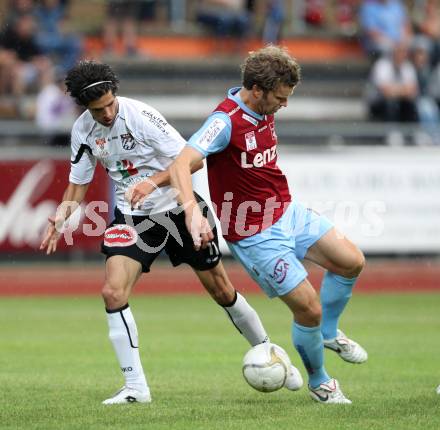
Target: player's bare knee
(224, 293)
(220, 288)
(113, 296)
(309, 315)
(314, 314)
(222, 298)
(357, 265)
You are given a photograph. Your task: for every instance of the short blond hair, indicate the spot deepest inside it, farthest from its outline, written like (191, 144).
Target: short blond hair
(270, 67)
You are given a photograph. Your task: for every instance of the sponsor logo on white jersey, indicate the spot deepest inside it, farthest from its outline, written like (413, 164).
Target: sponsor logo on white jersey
(209, 135)
(260, 159)
(128, 142)
(157, 121)
(100, 143)
(251, 141)
(250, 119)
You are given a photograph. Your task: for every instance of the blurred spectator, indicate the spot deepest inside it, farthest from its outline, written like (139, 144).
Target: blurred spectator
(427, 108)
(427, 22)
(383, 25)
(314, 12)
(421, 60)
(6, 70)
(434, 84)
(126, 16)
(53, 37)
(17, 8)
(324, 14)
(346, 13)
(393, 89)
(23, 64)
(55, 111)
(225, 18)
(274, 21)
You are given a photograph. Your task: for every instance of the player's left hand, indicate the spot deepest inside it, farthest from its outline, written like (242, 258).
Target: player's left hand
(51, 236)
(137, 193)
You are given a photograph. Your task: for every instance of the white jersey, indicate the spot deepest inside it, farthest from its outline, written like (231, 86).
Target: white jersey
(138, 144)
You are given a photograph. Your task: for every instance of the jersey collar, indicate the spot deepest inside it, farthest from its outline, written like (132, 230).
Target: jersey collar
(233, 95)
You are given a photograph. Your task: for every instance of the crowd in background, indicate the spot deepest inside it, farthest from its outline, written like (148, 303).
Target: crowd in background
(404, 49)
(37, 47)
(39, 42)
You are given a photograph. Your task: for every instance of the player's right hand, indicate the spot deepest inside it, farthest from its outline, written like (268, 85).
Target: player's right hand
(51, 237)
(199, 228)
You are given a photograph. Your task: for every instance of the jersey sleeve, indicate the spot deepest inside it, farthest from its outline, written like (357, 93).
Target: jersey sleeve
(213, 136)
(158, 133)
(82, 163)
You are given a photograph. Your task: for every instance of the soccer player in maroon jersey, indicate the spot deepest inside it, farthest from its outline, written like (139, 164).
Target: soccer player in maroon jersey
(266, 229)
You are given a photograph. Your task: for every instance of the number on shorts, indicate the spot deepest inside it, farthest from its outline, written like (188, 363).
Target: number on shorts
(213, 249)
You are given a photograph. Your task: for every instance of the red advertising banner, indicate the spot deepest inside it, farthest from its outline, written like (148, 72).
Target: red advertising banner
(30, 192)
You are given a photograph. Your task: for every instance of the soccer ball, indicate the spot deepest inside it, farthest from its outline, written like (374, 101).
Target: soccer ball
(265, 367)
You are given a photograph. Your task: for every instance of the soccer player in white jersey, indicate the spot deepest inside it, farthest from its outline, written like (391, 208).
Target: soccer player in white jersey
(266, 230)
(136, 145)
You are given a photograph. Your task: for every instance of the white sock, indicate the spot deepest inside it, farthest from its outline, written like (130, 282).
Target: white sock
(124, 337)
(246, 320)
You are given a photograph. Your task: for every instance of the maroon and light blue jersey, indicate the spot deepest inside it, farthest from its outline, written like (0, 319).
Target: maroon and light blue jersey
(248, 190)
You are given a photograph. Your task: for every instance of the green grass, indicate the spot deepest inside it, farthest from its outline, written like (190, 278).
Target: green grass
(57, 365)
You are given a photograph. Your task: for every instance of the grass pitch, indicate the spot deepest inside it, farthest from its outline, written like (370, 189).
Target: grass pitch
(57, 365)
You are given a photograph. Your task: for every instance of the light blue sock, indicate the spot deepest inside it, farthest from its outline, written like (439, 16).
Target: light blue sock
(308, 343)
(335, 294)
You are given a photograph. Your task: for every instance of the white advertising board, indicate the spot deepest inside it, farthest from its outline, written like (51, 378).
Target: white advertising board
(384, 199)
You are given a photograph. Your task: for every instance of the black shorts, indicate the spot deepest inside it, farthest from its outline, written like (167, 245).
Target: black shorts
(143, 238)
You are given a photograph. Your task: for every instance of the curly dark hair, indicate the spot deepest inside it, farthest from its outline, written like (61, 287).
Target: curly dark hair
(269, 67)
(86, 73)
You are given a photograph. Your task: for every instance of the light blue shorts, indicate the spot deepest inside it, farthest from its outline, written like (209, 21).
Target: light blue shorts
(273, 256)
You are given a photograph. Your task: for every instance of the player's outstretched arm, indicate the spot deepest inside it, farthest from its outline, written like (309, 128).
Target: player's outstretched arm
(72, 198)
(136, 194)
(180, 172)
